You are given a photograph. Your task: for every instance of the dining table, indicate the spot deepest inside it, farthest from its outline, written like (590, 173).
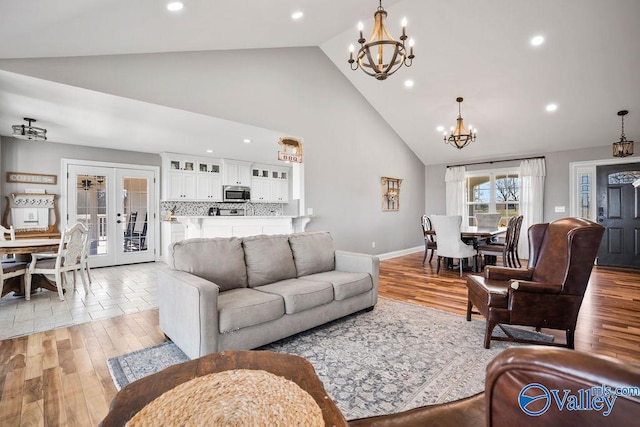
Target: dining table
(473, 235)
(22, 249)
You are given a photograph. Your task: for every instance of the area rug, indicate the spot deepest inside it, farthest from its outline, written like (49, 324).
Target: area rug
(396, 357)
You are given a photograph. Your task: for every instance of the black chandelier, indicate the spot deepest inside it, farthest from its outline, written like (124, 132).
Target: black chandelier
(622, 148)
(29, 132)
(381, 56)
(460, 137)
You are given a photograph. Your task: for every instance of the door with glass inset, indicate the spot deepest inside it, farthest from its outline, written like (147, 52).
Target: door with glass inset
(118, 206)
(618, 210)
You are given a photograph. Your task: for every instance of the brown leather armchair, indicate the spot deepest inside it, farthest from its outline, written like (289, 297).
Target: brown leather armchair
(513, 370)
(548, 293)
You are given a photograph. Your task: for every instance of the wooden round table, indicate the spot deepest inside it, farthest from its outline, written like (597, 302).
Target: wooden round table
(133, 397)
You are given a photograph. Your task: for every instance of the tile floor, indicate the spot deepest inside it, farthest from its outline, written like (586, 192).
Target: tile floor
(114, 291)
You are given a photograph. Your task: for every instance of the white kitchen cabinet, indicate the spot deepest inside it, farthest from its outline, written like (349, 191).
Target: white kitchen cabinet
(279, 191)
(209, 187)
(260, 190)
(237, 173)
(180, 185)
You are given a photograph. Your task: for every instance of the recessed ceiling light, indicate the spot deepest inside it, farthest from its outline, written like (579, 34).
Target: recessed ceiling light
(537, 41)
(408, 83)
(551, 107)
(440, 128)
(209, 151)
(175, 6)
(297, 15)
(246, 140)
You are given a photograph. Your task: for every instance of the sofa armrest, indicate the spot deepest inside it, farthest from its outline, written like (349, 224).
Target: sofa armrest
(188, 308)
(506, 273)
(353, 262)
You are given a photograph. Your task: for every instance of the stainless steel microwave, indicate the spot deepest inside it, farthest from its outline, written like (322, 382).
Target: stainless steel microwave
(234, 193)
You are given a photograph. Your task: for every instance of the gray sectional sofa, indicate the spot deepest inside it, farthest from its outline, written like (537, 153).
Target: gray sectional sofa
(241, 293)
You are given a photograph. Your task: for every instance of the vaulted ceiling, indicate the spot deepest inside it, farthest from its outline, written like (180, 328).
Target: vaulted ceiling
(480, 50)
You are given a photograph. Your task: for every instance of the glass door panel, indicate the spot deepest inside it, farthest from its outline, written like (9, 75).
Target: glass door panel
(118, 207)
(136, 201)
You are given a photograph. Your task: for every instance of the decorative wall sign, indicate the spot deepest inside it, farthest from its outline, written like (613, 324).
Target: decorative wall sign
(291, 150)
(32, 178)
(390, 193)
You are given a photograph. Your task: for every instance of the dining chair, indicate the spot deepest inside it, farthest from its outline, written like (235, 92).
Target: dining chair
(503, 248)
(450, 245)
(488, 220)
(515, 258)
(11, 269)
(8, 234)
(70, 257)
(429, 239)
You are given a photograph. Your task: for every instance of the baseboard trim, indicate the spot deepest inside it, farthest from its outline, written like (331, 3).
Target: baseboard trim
(401, 252)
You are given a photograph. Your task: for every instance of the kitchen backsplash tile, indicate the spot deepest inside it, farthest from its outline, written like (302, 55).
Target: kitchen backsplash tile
(202, 208)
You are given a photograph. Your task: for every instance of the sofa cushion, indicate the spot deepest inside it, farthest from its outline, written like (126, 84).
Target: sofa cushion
(312, 252)
(300, 294)
(240, 308)
(269, 259)
(345, 285)
(220, 260)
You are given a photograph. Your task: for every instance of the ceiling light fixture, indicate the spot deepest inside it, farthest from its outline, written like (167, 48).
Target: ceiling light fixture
(246, 140)
(622, 148)
(29, 132)
(460, 137)
(551, 108)
(380, 47)
(175, 6)
(297, 15)
(408, 83)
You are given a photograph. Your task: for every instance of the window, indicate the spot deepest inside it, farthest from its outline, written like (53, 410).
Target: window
(496, 191)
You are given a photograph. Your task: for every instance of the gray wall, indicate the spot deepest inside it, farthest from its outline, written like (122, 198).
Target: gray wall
(44, 157)
(556, 192)
(348, 146)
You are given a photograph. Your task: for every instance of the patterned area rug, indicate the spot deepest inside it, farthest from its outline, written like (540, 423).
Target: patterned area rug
(396, 357)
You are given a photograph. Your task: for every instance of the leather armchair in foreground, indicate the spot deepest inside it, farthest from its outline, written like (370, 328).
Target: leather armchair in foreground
(549, 293)
(541, 386)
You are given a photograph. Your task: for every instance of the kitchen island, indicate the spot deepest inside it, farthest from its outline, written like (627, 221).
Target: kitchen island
(190, 227)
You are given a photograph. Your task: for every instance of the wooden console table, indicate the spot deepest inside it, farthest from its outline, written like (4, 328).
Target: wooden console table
(133, 397)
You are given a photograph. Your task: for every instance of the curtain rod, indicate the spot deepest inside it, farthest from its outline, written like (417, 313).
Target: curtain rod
(495, 161)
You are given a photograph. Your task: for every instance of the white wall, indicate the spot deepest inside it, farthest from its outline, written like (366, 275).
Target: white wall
(348, 146)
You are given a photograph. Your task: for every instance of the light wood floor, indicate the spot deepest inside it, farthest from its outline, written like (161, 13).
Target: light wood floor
(60, 377)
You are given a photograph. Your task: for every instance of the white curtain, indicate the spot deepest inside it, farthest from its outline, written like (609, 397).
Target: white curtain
(455, 189)
(532, 173)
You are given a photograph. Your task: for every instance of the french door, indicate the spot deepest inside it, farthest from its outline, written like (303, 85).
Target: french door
(118, 205)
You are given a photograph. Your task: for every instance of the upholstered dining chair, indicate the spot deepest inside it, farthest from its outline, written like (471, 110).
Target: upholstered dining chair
(450, 245)
(488, 220)
(429, 239)
(549, 292)
(70, 257)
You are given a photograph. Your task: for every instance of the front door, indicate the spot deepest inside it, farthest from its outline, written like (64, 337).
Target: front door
(618, 210)
(118, 206)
